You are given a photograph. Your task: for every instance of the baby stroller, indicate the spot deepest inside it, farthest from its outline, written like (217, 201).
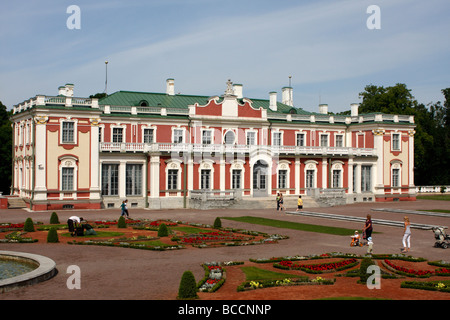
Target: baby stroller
(356, 240)
(442, 238)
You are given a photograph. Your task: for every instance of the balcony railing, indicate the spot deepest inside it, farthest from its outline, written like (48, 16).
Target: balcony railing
(224, 148)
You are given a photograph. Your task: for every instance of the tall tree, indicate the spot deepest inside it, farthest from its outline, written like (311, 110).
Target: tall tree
(432, 138)
(5, 149)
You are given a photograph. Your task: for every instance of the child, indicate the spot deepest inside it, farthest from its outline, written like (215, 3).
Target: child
(355, 239)
(299, 203)
(370, 244)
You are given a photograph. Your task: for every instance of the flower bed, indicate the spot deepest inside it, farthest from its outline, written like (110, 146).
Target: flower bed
(415, 273)
(214, 278)
(4, 227)
(251, 285)
(443, 286)
(320, 267)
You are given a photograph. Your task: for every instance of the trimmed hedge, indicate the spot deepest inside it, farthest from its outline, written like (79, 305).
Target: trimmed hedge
(188, 286)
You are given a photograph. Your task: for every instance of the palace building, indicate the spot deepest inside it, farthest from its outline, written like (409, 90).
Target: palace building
(160, 150)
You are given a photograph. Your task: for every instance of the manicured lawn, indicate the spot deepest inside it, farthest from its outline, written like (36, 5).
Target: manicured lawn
(100, 234)
(438, 210)
(254, 273)
(293, 225)
(445, 197)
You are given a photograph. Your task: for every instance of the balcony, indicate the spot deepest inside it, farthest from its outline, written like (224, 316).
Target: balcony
(224, 149)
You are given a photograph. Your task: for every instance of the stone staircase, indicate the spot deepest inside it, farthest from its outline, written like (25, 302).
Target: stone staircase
(289, 203)
(16, 203)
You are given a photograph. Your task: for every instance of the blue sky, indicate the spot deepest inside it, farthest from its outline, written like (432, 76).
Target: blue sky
(324, 45)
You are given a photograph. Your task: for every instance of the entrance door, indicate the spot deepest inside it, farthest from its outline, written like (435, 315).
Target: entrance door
(260, 176)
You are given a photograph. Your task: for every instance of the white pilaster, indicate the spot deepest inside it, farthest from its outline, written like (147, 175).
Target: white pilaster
(40, 183)
(95, 163)
(154, 175)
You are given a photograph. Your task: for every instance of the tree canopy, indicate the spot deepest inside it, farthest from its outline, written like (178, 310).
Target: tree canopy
(432, 138)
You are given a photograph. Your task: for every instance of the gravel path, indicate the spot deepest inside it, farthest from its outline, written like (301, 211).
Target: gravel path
(119, 273)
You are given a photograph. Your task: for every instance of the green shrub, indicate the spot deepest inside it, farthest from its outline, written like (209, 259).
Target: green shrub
(29, 225)
(188, 287)
(162, 230)
(52, 236)
(121, 223)
(363, 275)
(54, 218)
(217, 223)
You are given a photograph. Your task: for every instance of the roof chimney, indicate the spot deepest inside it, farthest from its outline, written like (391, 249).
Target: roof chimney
(237, 89)
(66, 90)
(287, 96)
(170, 87)
(273, 101)
(354, 109)
(323, 108)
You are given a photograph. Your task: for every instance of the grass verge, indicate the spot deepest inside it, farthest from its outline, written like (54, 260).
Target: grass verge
(293, 225)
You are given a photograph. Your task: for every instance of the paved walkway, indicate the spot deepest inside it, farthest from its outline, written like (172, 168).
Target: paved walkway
(120, 273)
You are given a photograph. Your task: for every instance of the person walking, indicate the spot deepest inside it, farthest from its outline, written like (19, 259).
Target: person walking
(299, 203)
(278, 201)
(281, 201)
(406, 235)
(368, 228)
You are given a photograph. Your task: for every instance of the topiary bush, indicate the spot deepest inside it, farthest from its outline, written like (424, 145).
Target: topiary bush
(217, 223)
(54, 218)
(52, 236)
(29, 225)
(188, 287)
(363, 275)
(163, 231)
(121, 223)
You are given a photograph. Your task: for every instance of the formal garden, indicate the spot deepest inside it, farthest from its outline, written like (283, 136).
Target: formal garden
(288, 277)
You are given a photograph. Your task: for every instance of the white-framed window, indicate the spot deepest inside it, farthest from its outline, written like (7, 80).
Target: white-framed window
(178, 135)
(310, 174)
(283, 171)
(68, 171)
(366, 178)
(396, 174)
(395, 178)
(396, 146)
(300, 139)
(277, 138)
(324, 139)
(336, 172)
(251, 138)
(237, 170)
(206, 175)
(133, 179)
(148, 135)
(207, 136)
(236, 179)
(110, 179)
(282, 179)
(117, 134)
(173, 174)
(172, 179)
(205, 179)
(339, 140)
(67, 179)
(68, 131)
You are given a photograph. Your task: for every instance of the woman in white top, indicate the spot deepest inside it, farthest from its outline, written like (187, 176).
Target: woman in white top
(407, 235)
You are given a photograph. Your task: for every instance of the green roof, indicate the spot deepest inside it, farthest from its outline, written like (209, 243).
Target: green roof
(132, 98)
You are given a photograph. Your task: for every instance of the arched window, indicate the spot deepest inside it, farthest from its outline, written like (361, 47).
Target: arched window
(143, 103)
